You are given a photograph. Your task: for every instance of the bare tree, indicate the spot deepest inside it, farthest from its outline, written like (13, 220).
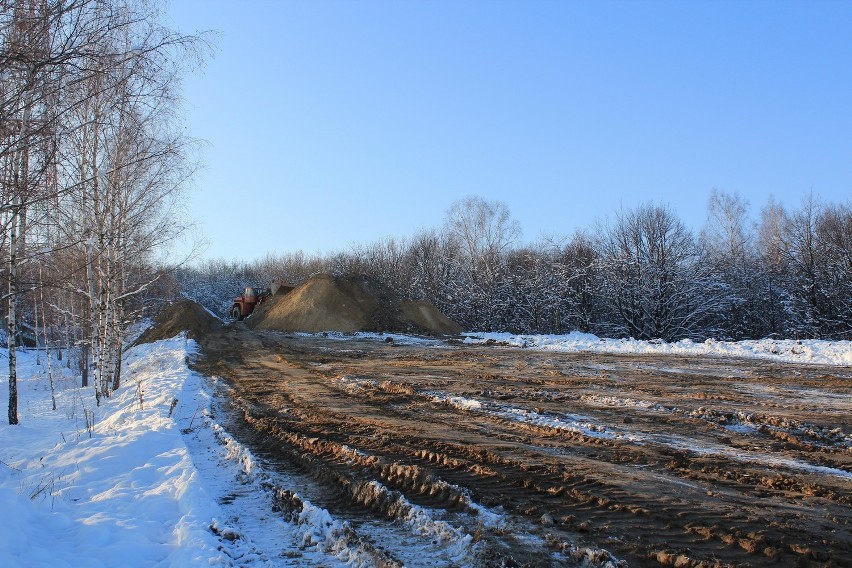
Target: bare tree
(433, 265)
(642, 275)
(652, 277)
(816, 245)
(27, 110)
(801, 248)
(577, 266)
(129, 161)
(834, 234)
(483, 231)
(772, 311)
(725, 231)
(91, 158)
(727, 248)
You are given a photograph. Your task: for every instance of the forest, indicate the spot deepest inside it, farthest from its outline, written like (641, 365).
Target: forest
(640, 273)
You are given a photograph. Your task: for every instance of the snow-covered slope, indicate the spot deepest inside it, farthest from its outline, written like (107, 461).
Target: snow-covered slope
(150, 484)
(124, 490)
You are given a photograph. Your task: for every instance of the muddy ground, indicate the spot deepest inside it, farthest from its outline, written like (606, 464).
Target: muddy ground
(547, 458)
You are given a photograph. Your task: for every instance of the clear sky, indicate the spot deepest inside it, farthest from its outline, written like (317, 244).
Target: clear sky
(332, 123)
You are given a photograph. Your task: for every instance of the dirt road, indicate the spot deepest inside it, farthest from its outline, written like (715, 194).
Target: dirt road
(551, 459)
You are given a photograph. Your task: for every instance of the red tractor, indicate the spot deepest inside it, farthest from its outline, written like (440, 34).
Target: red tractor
(245, 303)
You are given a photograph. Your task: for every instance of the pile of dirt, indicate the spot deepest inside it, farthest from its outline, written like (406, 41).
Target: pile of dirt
(348, 304)
(427, 316)
(184, 315)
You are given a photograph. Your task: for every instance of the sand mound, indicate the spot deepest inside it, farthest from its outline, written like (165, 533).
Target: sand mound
(427, 316)
(348, 304)
(184, 315)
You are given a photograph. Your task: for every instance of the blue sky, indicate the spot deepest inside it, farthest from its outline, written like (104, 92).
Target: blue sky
(333, 123)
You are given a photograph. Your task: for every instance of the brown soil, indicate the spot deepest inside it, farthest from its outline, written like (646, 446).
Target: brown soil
(678, 461)
(348, 304)
(181, 316)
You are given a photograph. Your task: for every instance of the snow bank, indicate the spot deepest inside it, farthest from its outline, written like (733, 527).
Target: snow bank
(124, 490)
(787, 350)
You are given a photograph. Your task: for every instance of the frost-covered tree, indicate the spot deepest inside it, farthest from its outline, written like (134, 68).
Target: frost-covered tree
(816, 245)
(727, 245)
(483, 232)
(652, 277)
(773, 302)
(92, 158)
(643, 275)
(834, 235)
(535, 294)
(434, 266)
(577, 270)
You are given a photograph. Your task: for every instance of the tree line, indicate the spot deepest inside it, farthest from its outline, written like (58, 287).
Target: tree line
(641, 273)
(92, 162)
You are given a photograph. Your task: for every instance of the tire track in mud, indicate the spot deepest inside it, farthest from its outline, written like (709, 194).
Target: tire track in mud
(356, 414)
(359, 498)
(350, 500)
(543, 426)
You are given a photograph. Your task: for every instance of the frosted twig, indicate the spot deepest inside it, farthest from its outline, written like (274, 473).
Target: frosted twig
(10, 466)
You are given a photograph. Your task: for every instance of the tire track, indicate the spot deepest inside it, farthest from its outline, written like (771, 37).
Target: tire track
(368, 415)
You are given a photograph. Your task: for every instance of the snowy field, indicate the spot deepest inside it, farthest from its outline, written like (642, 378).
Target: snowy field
(149, 477)
(140, 482)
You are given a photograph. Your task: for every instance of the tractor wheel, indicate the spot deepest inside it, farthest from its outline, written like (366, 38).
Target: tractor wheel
(236, 314)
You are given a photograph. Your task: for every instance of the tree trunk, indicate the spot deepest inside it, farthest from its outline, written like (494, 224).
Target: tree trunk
(46, 342)
(95, 324)
(84, 365)
(12, 328)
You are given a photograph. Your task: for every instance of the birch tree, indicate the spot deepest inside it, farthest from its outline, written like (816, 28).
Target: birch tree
(91, 161)
(27, 109)
(728, 249)
(484, 232)
(130, 162)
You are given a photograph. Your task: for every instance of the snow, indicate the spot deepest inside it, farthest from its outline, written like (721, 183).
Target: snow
(396, 338)
(812, 351)
(590, 428)
(125, 488)
(566, 422)
(130, 487)
(157, 481)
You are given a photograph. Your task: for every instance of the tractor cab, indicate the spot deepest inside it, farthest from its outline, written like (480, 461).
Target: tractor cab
(245, 303)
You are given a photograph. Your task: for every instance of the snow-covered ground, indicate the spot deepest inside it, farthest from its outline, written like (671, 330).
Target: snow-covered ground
(787, 350)
(146, 479)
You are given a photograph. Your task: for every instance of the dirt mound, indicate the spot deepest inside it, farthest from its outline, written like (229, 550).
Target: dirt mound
(183, 315)
(427, 316)
(349, 304)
